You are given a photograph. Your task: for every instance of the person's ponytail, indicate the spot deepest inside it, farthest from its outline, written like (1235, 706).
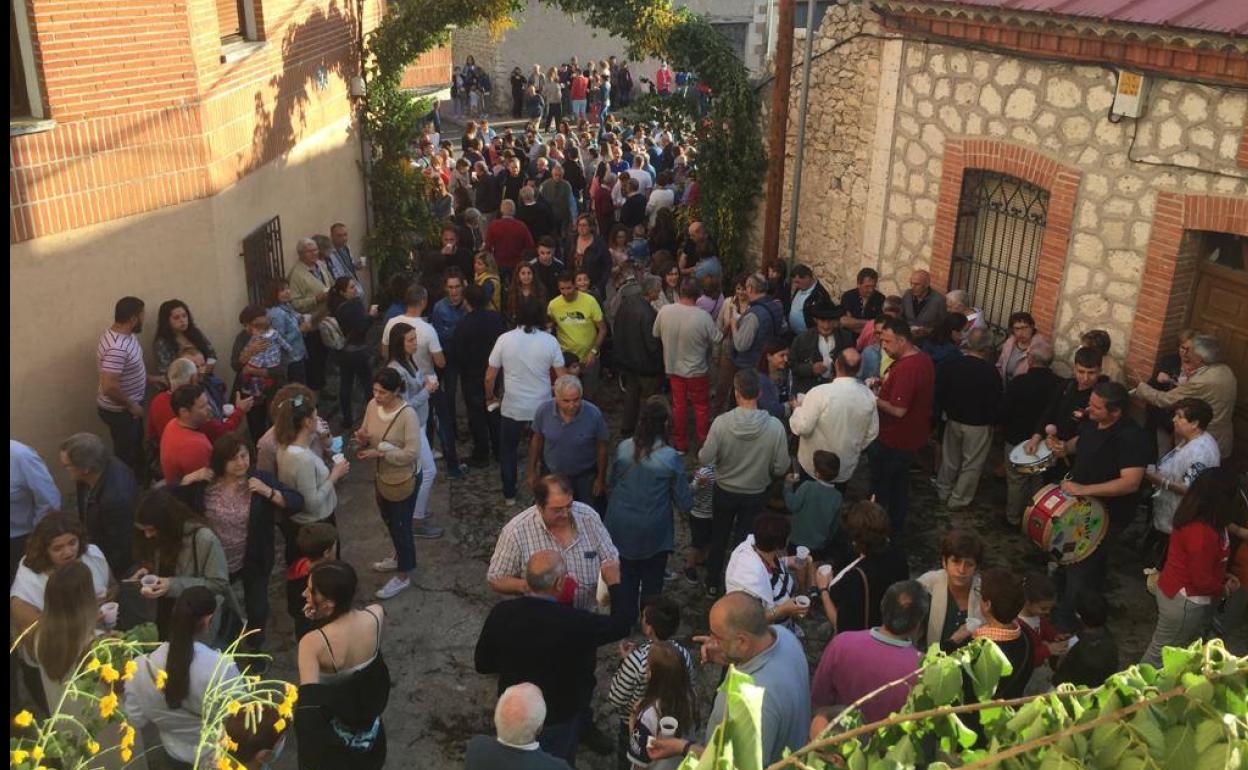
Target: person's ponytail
(192, 606)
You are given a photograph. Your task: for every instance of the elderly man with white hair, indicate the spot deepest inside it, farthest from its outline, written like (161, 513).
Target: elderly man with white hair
(106, 492)
(518, 719)
(570, 438)
(186, 371)
(958, 301)
(310, 281)
(1211, 381)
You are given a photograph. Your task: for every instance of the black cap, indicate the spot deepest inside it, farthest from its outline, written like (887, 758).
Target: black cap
(827, 311)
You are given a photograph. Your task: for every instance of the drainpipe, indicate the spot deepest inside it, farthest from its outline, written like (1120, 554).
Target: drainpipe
(777, 132)
(795, 205)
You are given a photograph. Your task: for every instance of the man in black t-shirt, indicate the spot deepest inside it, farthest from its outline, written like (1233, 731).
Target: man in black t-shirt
(1113, 452)
(1067, 410)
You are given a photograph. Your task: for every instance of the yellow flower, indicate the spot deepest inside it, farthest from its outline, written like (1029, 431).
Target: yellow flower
(292, 692)
(126, 754)
(279, 725)
(108, 674)
(285, 710)
(36, 753)
(19, 756)
(233, 708)
(108, 704)
(24, 718)
(161, 676)
(93, 664)
(92, 747)
(228, 744)
(127, 736)
(223, 763)
(129, 670)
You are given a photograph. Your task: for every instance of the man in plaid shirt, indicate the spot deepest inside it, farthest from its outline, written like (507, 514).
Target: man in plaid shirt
(554, 523)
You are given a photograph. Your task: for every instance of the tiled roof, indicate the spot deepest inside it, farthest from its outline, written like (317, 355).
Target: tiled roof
(1228, 17)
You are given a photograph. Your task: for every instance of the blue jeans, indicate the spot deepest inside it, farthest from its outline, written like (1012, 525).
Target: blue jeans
(398, 518)
(352, 368)
(444, 408)
(641, 579)
(509, 453)
(731, 520)
(890, 483)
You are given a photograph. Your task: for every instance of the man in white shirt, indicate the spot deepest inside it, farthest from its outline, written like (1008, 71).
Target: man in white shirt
(428, 348)
(839, 416)
(526, 355)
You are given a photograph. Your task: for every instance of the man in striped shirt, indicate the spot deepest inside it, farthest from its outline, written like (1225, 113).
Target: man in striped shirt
(123, 382)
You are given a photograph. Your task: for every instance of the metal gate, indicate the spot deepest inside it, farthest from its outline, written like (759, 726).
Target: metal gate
(996, 246)
(262, 259)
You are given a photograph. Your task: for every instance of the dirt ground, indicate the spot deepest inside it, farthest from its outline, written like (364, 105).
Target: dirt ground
(438, 701)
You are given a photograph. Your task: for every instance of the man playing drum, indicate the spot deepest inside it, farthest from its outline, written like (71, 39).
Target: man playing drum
(1067, 411)
(1111, 452)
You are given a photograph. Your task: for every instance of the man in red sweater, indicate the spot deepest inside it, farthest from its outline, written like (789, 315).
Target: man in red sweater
(185, 371)
(507, 238)
(905, 403)
(185, 451)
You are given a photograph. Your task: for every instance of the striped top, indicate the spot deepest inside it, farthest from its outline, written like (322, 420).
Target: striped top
(630, 680)
(121, 354)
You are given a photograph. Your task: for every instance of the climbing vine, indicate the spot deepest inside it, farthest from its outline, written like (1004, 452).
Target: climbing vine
(1190, 714)
(730, 160)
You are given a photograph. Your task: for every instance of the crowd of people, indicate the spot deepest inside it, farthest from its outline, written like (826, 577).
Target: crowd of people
(747, 403)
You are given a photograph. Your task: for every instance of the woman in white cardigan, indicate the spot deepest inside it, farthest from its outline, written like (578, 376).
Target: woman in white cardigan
(954, 589)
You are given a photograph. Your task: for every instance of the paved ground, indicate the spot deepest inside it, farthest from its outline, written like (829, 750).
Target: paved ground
(438, 700)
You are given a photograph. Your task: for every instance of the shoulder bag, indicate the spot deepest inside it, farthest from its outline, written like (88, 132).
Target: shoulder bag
(394, 492)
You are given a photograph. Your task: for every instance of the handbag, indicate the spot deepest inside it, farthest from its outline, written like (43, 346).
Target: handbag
(331, 334)
(391, 491)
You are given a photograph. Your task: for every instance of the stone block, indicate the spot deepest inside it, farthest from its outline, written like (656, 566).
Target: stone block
(925, 109)
(996, 128)
(1119, 207)
(974, 124)
(1025, 134)
(959, 63)
(1187, 158)
(1046, 120)
(1126, 264)
(1088, 157)
(951, 118)
(942, 89)
(1169, 134)
(908, 125)
(1140, 232)
(1099, 280)
(966, 93)
(1092, 307)
(1077, 277)
(1114, 234)
(1231, 109)
(1007, 73)
(925, 208)
(1108, 134)
(933, 139)
(914, 56)
(1033, 76)
(1201, 137)
(1088, 218)
(1228, 148)
(915, 155)
(1021, 104)
(921, 83)
(1063, 93)
(917, 184)
(980, 70)
(1076, 129)
(1194, 108)
(1124, 313)
(1098, 99)
(937, 64)
(989, 99)
(1129, 185)
(1087, 249)
(912, 233)
(1195, 182)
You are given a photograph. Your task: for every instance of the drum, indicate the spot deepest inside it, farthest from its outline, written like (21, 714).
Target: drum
(1029, 465)
(1066, 528)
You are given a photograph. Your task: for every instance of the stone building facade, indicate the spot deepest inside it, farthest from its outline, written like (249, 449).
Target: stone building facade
(912, 106)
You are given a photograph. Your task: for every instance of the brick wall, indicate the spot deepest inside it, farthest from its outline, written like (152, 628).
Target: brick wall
(148, 115)
(1170, 271)
(1060, 180)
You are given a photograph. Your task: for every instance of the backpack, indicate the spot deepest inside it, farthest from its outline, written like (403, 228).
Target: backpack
(331, 334)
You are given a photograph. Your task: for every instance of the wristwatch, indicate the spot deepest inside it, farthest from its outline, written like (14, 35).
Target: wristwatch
(594, 351)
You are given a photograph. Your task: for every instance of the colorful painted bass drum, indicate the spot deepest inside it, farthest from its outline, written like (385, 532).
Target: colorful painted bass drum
(1067, 528)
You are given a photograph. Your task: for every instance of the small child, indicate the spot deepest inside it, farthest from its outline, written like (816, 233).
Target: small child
(315, 543)
(703, 487)
(1092, 656)
(1001, 595)
(256, 319)
(639, 248)
(816, 506)
(668, 694)
(660, 619)
(572, 363)
(1040, 596)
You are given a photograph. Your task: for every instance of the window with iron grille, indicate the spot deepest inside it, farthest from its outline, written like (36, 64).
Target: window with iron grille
(996, 246)
(262, 259)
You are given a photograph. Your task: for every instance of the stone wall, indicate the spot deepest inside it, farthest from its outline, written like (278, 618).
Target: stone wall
(1186, 142)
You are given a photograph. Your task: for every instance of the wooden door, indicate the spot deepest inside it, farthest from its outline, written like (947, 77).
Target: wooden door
(1220, 308)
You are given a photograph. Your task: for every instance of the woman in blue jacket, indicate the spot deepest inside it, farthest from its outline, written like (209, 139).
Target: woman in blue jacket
(647, 479)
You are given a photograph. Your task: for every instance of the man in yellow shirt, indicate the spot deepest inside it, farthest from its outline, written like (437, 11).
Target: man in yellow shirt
(580, 329)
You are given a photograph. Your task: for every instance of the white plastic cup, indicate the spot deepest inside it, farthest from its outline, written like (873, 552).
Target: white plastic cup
(826, 570)
(109, 612)
(803, 555)
(374, 309)
(668, 727)
(431, 378)
(228, 410)
(339, 459)
(802, 600)
(149, 581)
(493, 407)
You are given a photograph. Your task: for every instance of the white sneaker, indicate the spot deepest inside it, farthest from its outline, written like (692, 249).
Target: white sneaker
(394, 587)
(388, 564)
